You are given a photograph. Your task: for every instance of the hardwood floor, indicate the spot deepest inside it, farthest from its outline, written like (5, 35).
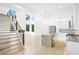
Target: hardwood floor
(58, 49)
(33, 47)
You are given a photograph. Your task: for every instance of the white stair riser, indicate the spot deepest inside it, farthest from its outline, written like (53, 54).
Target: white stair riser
(8, 46)
(10, 49)
(7, 42)
(14, 51)
(7, 34)
(7, 37)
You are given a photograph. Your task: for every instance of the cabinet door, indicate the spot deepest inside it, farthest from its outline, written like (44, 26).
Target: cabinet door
(72, 48)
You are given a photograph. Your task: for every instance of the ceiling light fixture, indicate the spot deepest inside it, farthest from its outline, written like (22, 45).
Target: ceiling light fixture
(58, 6)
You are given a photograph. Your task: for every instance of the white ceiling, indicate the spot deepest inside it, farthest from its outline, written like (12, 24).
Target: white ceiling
(50, 8)
(45, 9)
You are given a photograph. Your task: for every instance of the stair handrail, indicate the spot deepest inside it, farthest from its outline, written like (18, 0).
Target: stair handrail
(17, 31)
(21, 30)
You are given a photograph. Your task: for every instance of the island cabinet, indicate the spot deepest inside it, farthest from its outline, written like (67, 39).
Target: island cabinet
(47, 40)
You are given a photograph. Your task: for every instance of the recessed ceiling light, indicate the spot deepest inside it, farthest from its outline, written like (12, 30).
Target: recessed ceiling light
(58, 6)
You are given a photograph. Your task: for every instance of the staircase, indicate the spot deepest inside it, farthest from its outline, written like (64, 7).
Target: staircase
(9, 42)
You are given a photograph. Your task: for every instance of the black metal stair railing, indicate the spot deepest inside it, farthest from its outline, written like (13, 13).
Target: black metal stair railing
(18, 29)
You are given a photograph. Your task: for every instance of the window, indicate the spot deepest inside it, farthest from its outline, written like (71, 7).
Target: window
(27, 17)
(32, 27)
(27, 27)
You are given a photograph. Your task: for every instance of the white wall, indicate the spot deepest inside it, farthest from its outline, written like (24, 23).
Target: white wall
(21, 18)
(41, 26)
(77, 17)
(3, 10)
(72, 48)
